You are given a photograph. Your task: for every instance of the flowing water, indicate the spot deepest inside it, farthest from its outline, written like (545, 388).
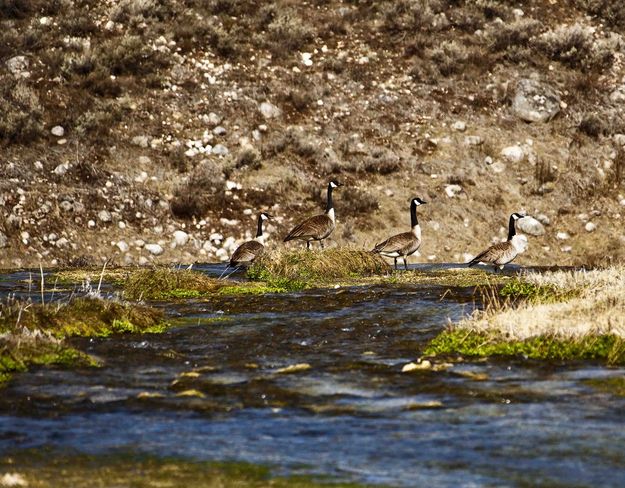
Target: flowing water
(214, 387)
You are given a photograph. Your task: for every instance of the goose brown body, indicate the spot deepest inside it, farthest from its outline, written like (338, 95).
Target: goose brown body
(247, 252)
(406, 243)
(318, 227)
(502, 253)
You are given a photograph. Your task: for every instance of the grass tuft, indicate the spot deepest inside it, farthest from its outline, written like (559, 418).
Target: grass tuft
(460, 341)
(167, 283)
(296, 270)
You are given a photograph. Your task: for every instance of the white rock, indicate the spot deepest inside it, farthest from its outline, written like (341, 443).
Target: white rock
(142, 178)
(219, 130)
(181, 237)
(4, 240)
(12, 480)
(563, 236)
(123, 246)
(105, 216)
(220, 150)
(269, 110)
(58, 131)
(62, 242)
(473, 141)
(141, 141)
(18, 66)
(590, 227)
(543, 219)
(566, 248)
(452, 190)
(514, 154)
(231, 185)
(531, 226)
(459, 125)
(91, 224)
(535, 101)
(139, 243)
(61, 169)
(497, 167)
(155, 249)
(143, 260)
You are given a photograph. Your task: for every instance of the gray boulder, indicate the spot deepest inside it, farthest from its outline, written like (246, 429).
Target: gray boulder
(530, 226)
(535, 101)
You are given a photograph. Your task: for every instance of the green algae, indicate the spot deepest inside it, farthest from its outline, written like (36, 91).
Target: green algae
(45, 469)
(614, 385)
(464, 342)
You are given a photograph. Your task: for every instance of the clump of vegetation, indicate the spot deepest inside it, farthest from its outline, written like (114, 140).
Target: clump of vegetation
(459, 341)
(518, 289)
(562, 315)
(41, 469)
(301, 269)
(22, 113)
(203, 189)
(166, 283)
(34, 333)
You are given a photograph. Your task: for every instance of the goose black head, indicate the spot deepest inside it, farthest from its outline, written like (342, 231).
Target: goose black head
(265, 216)
(417, 201)
(517, 216)
(335, 184)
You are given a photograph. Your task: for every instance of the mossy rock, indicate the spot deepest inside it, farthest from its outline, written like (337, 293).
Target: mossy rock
(465, 342)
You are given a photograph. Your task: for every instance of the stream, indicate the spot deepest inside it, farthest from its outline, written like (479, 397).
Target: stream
(311, 383)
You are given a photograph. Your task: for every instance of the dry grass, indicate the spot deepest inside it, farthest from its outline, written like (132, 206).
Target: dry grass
(599, 308)
(306, 267)
(164, 283)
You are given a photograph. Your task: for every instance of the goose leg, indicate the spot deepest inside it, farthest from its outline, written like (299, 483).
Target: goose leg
(308, 245)
(395, 263)
(321, 244)
(405, 264)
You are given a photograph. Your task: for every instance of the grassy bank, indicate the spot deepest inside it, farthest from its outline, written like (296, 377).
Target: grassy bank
(562, 315)
(36, 469)
(35, 334)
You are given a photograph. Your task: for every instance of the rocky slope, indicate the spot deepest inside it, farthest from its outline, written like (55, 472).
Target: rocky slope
(156, 130)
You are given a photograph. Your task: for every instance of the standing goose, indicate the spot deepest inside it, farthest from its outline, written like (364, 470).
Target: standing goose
(318, 227)
(406, 243)
(502, 253)
(250, 250)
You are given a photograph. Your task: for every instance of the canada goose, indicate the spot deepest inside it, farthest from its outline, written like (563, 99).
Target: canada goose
(318, 227)
(250, 250)
(503, 252)
(406, 243)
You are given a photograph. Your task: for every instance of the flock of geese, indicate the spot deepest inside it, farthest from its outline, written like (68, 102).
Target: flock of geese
(319, 227)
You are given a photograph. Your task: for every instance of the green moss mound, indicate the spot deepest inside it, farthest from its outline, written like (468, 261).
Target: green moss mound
(518, 289)
(34, 334)
(296, 270)
(464, 342)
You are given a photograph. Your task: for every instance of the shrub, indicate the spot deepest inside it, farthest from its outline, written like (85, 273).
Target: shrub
(202, 190)
(357, 201)
(287, 32)
(22, 114)
(575, 47)
(449, 57)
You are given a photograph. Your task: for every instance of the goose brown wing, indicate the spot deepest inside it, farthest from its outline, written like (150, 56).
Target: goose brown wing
(396, 243)
(492, 254)
(315, 227)
(247, 252)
